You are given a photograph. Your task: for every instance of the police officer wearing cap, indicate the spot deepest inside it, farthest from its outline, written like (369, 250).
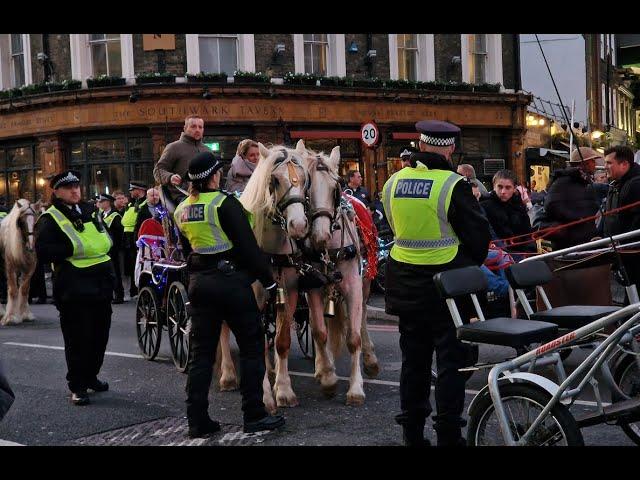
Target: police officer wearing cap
(138, 192)
(113, 221)
(75, 240)
(223, 261)
(438, 226)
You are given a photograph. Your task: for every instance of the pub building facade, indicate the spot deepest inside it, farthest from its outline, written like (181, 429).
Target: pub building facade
(113, 122)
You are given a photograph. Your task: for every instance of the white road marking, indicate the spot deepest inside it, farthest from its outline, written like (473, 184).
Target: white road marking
(7, 443)
(297, 374)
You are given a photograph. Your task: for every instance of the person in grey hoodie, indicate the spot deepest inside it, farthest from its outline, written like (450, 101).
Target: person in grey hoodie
(172, 167)
(242, 165)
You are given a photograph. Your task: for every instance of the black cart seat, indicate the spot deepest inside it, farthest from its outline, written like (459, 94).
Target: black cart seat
(508, 332)
(511, 332)
(536, 274)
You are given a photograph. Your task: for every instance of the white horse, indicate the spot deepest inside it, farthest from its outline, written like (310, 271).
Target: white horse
(18, 249)
(275, 195)
(333, 229)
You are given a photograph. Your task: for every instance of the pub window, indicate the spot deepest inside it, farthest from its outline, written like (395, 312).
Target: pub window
(17, 60)
(478, 58)
(19, 174)
(109, 163)
(218, 53)
(407, 56)
(106, 54)
(316, 53)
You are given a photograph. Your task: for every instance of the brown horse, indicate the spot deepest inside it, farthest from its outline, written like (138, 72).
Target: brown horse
(18, 249)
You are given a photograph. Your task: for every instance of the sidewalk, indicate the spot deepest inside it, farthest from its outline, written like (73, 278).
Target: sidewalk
(375, 309)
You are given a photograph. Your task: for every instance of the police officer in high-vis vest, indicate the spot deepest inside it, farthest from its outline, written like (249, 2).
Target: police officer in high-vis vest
(138, 192)
(223, 261)
(438, 226)
(71, 237)
(113, 221)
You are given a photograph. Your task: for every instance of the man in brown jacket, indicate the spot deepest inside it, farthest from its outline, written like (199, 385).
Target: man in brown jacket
(172, 167)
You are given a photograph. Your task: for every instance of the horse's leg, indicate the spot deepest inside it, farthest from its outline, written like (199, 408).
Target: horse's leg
(285, 397)
(267, 395)
(351, 289)
(11, 315)
(25, 283)
(228, 379)
(325, 371)
(370, 361)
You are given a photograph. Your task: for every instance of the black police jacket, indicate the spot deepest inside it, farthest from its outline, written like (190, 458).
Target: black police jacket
(72, 284)
(410, 288)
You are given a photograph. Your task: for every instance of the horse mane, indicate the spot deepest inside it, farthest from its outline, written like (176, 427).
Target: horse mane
(256, 197)
(10, 234)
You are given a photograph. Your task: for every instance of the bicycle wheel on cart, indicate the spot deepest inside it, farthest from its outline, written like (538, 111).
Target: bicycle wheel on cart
(627, 377)
(303, 328)
(522, 403)
(178, 325)
(148, 324)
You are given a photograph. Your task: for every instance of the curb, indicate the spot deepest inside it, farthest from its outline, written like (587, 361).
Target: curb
(377, 313)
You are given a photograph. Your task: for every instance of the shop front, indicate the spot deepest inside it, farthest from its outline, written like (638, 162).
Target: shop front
(112, 140)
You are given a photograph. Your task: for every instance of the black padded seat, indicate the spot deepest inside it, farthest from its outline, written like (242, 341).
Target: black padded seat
(508, 332)
(574, 316)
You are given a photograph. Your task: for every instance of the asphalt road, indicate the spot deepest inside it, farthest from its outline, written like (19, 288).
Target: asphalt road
(145, 404)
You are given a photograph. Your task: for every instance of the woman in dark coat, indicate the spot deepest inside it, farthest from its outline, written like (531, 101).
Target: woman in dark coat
(506, 212)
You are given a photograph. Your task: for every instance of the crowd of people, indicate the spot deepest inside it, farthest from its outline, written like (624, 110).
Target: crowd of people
(456, 222)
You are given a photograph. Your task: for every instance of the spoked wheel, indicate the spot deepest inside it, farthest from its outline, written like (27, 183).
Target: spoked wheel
(378, 281)
(522, 404)
(472, 358)
(148, 326)
(627, 377)
(178, 325)
(303, 329)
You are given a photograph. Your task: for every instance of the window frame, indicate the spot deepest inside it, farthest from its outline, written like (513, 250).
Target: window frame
(493, 65)
(245, 52)
(81, 63)
(426, 66)
(336, 60)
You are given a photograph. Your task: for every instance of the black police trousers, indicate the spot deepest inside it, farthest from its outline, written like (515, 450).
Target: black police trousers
(215, 297)
(420, 333)
(85, 329)
(129, 252)
(116, 260)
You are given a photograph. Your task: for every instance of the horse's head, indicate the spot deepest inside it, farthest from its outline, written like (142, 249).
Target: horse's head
(27, 214)
(324, 194)
(288, 187)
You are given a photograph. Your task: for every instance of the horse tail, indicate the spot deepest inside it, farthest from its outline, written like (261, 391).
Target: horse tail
(337, 331)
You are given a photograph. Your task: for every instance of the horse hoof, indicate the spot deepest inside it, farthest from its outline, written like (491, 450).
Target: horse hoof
(269, 405)
(355, 399)
(286, 399)
(29, 318)
(329, 389)
(11, 320)
(228, 384)
(371, 370)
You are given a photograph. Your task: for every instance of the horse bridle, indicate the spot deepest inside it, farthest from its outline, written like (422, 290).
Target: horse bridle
(278, 218)
(330, 213)
(30, 232)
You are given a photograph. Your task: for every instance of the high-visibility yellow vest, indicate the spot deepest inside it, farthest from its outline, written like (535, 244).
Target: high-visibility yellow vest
(130, 217)
(111, 217)
(416, 202)
(90, 246)
(199, 222)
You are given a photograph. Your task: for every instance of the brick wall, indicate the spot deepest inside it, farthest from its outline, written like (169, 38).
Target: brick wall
(356, 62)
(175, 60)
(447, 46)
(37, 69)
(266, 62)
(60, 56)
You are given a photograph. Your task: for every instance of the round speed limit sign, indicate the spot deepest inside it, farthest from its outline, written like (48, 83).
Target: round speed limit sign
(370, 134)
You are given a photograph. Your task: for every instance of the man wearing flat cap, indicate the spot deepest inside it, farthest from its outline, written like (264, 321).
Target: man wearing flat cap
(438, 226)
(72, 237)
(137, 192)
(571, 196)
(113, 221)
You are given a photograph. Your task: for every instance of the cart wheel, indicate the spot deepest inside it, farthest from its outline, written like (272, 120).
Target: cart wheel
(148, 326)
(627, 377)
(378, 282)
(178, 325)
(303, 329)
(522, 403)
